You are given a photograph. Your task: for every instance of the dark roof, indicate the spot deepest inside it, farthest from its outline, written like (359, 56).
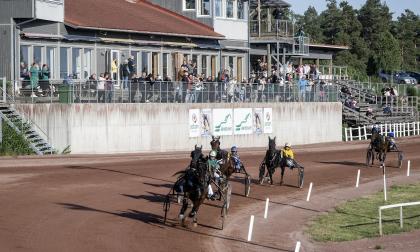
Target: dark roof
(138, 16)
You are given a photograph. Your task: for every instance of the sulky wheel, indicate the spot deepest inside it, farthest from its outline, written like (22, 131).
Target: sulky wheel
(247, 185)
(228, 194)
(400, 159)
(261, 173)
(369, 157)
(224, 214)
(301, 177)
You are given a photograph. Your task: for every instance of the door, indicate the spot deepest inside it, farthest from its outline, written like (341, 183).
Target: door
(115, 62)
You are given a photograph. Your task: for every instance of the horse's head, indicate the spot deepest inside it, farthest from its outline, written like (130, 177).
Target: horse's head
(271, 143)
(196, 155)
(215, 143)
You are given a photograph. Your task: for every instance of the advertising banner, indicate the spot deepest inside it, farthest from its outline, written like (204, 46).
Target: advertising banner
(242, 121)
(268, 120)
(222, 122)
(194, 122)
(206, 122)
(258, 120)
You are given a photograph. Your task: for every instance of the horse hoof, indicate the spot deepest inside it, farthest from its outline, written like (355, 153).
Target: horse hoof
(195, 224)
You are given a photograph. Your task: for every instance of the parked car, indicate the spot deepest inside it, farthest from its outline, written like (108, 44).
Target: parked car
(414, 75)
(398, 77)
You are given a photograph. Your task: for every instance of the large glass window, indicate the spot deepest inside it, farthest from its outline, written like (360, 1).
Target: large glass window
(134, 57)
(64, 67)
(240, 9)
(87, 63)
(24, 62)
(145, 62)
(229, 8)
(218, 8)
(205, 7)
(165, 67)
(37, 55)
(76, 63)
(204, 65)
(51, 61)
(189, 4)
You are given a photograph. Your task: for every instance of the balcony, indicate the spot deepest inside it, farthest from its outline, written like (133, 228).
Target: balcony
(272, 28)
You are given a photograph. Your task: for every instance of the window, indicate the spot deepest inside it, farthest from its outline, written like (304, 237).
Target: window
(204, 65)
(165, 67)
(51, 61)
(64, 66)
(37, 55)
(240, 9)
(204, 7)
(189, 4)
(145, 62)
(229, 8)
(24, 60)
(155, 64)
(134, 56)
(218, 8)
(87, 63)
(76, 63)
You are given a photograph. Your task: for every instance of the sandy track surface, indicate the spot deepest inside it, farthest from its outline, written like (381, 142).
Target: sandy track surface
(114, 202)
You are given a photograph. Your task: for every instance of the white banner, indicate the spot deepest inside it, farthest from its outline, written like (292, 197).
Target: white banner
(222, 122)
(268, 120)
(206, 122)
(242, 121)
(258, 120)
(194, 122)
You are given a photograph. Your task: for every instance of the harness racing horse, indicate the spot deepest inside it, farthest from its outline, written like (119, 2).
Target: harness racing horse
(380, 145)
(273, 159)
(193, 183)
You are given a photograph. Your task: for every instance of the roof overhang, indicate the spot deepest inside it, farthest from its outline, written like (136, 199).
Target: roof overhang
(74, 26)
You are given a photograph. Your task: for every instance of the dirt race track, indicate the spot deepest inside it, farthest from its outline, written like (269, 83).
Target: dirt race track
(114, 203)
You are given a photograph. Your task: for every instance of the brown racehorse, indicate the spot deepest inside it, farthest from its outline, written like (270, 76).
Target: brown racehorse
(380, 144)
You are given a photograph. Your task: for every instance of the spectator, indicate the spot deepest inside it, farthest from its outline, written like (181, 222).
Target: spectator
(131, 67)
(114, 69)
(302, 88)
(133, 87)
(109, 86)
(125, 73)
(142, 86)
(44, 76)
(101, 88)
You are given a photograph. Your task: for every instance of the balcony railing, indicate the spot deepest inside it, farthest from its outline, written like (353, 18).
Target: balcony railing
(274, 28)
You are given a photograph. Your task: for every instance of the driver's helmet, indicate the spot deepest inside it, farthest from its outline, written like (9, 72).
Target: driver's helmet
(234, 149)
(213, 154)
(287, 145)
(391, 134)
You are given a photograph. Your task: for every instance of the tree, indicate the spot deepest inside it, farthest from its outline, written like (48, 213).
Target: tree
(311, 23)
(329, 22)
(407, 31)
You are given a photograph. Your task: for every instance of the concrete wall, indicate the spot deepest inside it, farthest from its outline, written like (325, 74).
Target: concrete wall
(124, 128)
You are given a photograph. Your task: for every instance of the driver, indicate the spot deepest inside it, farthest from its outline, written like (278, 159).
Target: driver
(288, 154)
(214, 169)
(391, 139)
(237, 160)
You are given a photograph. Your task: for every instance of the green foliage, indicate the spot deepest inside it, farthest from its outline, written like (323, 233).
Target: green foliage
(66, 150)
(358, 219)
(375, 41)
(13, 144)
(412, 91)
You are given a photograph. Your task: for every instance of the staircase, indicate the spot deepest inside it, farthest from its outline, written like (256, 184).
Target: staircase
(26, 128)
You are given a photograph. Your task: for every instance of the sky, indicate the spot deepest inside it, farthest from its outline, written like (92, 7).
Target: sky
(396, 6)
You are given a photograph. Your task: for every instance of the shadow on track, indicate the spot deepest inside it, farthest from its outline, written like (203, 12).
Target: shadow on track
(157, 221)
(115, 171)
(347, 163)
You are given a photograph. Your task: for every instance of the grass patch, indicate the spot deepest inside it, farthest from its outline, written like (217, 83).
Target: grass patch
(13, 144)
(359, 218)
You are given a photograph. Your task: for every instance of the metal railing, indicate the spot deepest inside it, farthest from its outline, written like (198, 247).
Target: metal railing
(274, 28)
(401, 205)
(400, 129)
(82, 91)
(377, 88)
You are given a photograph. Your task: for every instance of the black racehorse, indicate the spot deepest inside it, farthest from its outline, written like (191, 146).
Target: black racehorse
(193, 184)
(274, 159)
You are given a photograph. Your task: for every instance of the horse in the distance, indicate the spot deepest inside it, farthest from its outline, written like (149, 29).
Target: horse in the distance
(273, 159)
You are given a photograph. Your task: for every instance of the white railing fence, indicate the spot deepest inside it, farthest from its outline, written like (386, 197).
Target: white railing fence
(401, 129)
(401, 205)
